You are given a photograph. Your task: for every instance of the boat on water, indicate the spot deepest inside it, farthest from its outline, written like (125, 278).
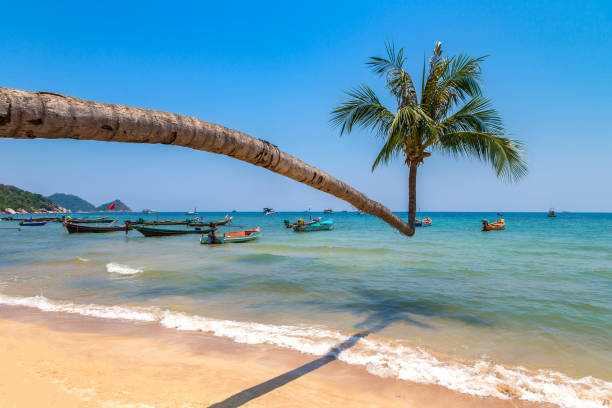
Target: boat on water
(299, 222)
(74, 228)
(32, 223)
(147, 211)
(194, 212)
(268, 211)
(317, 226)
(156, 231)
(328, 211)
(230, 237)
(551, 213)
(494, 226)
(224, 221)
(426, 222)
(141, 221)
(99, 220)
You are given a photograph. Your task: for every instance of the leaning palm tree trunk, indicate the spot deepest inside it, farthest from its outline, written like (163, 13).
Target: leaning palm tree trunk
(30, 115)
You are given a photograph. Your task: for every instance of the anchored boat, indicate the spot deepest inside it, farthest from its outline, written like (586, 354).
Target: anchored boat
(299, 222)
(32, 223)
(494, 226)
(231, 237)
(79, 228)
(423, 223)
(317, 226)
(154, 231)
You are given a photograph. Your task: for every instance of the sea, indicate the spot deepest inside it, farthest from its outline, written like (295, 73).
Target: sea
(522, 313)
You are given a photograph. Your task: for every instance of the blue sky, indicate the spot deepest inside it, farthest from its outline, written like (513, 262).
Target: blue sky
(275, 71)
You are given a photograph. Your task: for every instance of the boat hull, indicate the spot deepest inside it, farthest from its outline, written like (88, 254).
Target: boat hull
(78, 228)
(164, 232)
(32, 224)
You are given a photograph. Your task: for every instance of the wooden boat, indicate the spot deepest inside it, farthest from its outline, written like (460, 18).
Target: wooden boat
(494, 226)
(298, 223)
(212, 223)
(99, 220)
(151, 231)
(80, 228)
(231, 237)
(140, 221)
(32, 223)
(423, 223)
(551, 213)
(317, 226)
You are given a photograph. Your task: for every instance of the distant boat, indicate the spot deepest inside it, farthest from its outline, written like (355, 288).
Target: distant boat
(147, 211)
(318, 226)
(32, 223)
(551, 213)
(79, 228)
(231, 237)
(194, 212)
(148, 231)
(494, 226)
(423, 223)
(268, 211)
(328, 211)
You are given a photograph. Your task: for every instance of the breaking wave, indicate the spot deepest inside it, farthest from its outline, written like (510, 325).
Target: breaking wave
(113, 267)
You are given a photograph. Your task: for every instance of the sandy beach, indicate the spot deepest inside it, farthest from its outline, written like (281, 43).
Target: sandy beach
(75, 361)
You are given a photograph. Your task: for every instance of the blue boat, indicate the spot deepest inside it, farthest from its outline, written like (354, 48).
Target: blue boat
(317, 226)
(32, 223)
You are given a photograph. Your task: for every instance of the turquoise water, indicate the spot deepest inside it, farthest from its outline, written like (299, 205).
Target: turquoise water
(537, 295)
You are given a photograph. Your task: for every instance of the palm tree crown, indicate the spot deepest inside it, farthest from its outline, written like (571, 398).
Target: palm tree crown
(451, 116)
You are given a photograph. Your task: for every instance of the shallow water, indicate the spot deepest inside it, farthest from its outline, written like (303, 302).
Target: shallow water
(452, 305)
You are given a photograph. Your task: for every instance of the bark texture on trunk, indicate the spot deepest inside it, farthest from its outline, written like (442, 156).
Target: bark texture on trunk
(30, 115)
(412, 196)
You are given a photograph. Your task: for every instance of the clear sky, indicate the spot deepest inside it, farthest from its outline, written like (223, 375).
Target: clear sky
(276, 70)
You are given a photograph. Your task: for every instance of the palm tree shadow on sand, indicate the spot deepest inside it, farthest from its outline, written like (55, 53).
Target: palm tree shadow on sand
(249, 394)
(375, 324)
(382, 310)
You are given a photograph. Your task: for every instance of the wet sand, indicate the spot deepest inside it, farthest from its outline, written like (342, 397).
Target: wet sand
(60, 360)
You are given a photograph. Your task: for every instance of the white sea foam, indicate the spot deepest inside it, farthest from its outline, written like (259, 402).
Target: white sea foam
(383, 357)
(113, 267)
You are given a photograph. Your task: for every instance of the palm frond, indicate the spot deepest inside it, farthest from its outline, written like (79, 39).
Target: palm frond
(506, 156)
(399, 82)
(364, 109)
(476, 115)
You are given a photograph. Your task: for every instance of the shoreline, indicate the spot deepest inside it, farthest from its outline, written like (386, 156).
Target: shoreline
(77, 359)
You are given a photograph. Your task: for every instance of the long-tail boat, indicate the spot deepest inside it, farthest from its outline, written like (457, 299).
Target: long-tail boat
(212, 223)
(317, 226)
(289, 224)
(152, 231)
(229, 237)
(141, 221)
(423, 223)
(80, 228)
(32, 223)
(551, 213)
(99, 220)
(494, 226)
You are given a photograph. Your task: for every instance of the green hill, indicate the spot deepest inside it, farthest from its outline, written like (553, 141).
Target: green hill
(16, 198)
(119, 206)
(72, 202)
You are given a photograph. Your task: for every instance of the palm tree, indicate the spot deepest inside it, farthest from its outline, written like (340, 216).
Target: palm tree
(29, 115)
(451, 116)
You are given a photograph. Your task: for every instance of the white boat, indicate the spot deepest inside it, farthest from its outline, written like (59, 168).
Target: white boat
(268, 211)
